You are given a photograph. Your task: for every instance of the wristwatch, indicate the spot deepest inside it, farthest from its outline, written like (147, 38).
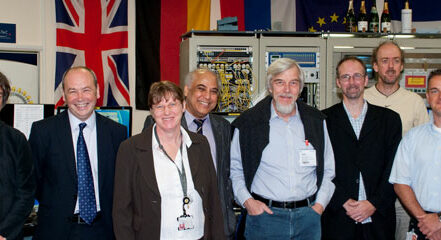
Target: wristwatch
(439, 215)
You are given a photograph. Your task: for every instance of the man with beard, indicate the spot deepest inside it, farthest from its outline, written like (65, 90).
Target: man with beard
(415, 173)
(282, 163)
(388, 62)
(364, 138)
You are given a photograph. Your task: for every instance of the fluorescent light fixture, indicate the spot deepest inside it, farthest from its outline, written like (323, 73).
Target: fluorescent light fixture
(343, 47)
(341, 35)
(407, 48)
(404, 36)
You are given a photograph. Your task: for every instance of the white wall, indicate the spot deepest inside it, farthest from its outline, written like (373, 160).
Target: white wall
(35, 23)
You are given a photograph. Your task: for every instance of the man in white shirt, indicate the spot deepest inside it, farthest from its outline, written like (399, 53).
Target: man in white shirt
(74, 155)
(416, 170)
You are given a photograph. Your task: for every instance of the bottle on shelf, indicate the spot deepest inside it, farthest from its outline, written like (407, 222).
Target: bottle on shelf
(374, 20)
(362, 23)
(406, 18)
(385, 18)
(351, 22)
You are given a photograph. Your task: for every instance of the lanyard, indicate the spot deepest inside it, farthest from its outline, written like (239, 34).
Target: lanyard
(182, 175)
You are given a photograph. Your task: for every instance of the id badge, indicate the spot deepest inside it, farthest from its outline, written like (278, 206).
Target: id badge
(308, 158)
(185, 222)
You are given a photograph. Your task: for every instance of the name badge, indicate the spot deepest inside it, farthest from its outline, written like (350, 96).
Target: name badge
(308, 158)
(185, 222)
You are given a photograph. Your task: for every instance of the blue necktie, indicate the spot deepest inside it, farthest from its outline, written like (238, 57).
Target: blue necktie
(86, 192)
(199, 123)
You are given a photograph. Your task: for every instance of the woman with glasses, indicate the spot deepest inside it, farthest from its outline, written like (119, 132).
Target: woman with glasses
(165, 182)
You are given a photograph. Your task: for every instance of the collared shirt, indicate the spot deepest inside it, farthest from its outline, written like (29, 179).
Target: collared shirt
(357, 124)
(89, 133)
(207, 131)
(418, 164)
(170, 188)
(409, 105)
(280, 176)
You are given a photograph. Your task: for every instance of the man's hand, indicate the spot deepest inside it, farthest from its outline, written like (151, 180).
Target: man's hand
(360, 210)
(429, 223)
(318, 208)
(435, 236)
(348, 205)
(256, 207)
(2, 238)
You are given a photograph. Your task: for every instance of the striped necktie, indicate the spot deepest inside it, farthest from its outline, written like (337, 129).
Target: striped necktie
(199, 123)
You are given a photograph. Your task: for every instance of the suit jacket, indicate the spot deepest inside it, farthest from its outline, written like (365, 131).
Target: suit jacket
(57, 187)
(372, 155)
(17, 184)
(137, 200)
(222, 138)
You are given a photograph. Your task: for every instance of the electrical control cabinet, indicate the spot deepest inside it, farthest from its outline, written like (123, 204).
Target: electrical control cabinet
(234, 58)
(308, 51)
(241, 60)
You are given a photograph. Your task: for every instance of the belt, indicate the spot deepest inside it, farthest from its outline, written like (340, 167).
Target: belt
(290, 205)
(77, 219)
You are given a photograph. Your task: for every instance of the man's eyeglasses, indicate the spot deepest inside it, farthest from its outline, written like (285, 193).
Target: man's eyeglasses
(356, 77)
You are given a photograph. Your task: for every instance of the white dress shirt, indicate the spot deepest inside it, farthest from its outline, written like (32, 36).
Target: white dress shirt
(170, 188)
(89, 133)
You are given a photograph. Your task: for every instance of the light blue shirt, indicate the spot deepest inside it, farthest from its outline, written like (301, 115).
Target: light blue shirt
(418, 164)
(207, 131)
(357, 124)
(280, 176)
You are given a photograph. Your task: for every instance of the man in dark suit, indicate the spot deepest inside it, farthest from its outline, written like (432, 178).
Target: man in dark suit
(201, 91)
(74, 154)
(17, 185)
(364, 138)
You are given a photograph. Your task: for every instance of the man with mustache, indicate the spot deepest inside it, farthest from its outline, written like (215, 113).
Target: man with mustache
(388, 63)
(282, 161)
(364, 138)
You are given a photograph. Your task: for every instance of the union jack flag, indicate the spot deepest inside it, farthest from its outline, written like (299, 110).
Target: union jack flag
(94, 33)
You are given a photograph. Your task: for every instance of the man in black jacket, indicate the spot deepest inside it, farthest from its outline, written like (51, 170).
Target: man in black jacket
(74, 154)
(17, 185)
(365, 138)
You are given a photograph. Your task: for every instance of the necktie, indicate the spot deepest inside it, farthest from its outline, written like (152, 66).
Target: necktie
(86, 192)
(199, 123)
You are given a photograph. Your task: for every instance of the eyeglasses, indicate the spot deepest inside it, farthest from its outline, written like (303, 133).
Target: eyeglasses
(161, 107)
(356, 77)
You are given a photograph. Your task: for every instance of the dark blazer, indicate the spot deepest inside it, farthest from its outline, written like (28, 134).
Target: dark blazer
(54, 159)
(372, 155)
(137, 201)
(17, 184)
(222, 137)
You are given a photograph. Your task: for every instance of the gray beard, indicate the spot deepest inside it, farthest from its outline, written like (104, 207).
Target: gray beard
(285, 109)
